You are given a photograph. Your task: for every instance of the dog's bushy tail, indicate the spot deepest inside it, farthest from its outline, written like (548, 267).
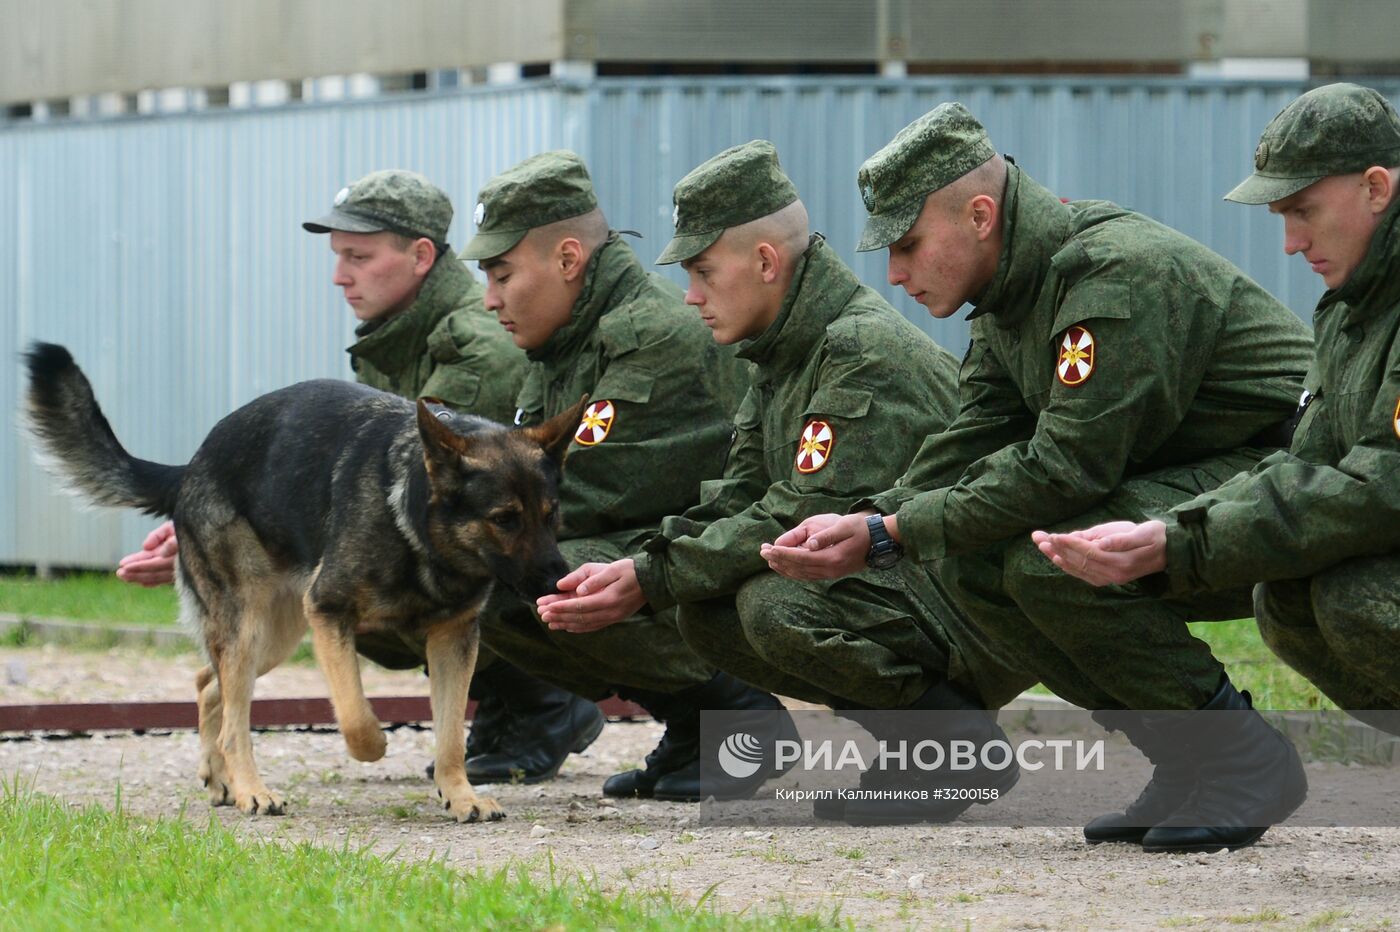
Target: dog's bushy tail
(77, 444)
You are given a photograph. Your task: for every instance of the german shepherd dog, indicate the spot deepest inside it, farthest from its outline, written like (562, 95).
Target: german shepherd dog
(330, 504)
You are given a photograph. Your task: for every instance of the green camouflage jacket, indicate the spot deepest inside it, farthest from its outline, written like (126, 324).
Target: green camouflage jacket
(445, 345)
(1106, 346)
(661, 399)
(845, 391)
(1336, 493)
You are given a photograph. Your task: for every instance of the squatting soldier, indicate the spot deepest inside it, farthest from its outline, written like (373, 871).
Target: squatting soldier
(592, 321)
(1117, 368)
(845, 391)
(423, 332)
(1320, 524)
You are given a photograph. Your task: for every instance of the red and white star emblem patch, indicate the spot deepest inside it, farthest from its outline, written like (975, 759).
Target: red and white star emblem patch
(597, 421)
(1076, 362)
(814, 449)
(1397, 419)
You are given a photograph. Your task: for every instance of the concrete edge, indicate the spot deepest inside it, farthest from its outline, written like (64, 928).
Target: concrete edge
(67, 631)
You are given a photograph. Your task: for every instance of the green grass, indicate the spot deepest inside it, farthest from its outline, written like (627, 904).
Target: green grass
(65, 868)
(88, 597)
(1252, 666)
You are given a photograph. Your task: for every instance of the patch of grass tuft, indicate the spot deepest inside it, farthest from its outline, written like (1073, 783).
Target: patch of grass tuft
(97, 868)
(88, 597)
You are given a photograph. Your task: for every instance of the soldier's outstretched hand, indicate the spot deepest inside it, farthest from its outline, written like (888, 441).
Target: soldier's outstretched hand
(154, 564)
(822, 547)
(1108, 554)
(592, 597)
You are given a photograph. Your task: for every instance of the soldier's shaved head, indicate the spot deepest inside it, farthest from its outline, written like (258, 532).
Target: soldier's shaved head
(785, 229)
(590, 229)
(986, 180)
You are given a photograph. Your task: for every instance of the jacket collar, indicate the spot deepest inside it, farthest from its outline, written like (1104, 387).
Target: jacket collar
(395, 344)
(821, 287)
(613, 271)
(1035, 225)
(1375, 285)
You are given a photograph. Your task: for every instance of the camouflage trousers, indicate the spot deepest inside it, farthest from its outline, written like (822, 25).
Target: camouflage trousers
(878, 639)
(1116, 647)
(644, 652)
(1340, 629)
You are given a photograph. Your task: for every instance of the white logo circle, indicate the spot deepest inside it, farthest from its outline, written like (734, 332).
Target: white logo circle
(480, 214)
(676, 216)
(740, 755)
(341, 197)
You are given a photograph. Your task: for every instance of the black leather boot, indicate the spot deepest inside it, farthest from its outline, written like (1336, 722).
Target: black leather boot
(679, 744)
(1248, 777)
(1173, 777)
(950, 792)
(673, 769)
(491, 722)
(541, 726)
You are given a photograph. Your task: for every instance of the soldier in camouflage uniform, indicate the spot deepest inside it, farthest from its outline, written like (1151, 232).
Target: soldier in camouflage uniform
(1318, 525)
(845, 391)
(593, 322)
(1116, 369)
(424, 332)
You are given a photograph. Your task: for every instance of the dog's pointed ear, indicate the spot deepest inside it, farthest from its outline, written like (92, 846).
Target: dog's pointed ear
(442, 446)
(555, 434)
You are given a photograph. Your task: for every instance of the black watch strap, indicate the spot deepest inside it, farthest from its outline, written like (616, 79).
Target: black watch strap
(884, 549)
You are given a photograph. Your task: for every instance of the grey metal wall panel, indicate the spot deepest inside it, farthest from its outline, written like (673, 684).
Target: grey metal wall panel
(168, 254)
(67, 47)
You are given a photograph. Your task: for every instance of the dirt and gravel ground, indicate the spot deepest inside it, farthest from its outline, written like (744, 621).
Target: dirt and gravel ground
(969, 874)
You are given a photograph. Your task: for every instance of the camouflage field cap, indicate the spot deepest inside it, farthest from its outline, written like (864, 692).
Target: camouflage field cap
(740, 184)
(542, 189)
(389, 201)
(931, 153)
(1334, 130)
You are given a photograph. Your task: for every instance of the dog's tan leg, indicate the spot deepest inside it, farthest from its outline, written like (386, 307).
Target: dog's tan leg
(451, 659)
(237, 666)
(212, 772)
(335, 652)
(279, 638)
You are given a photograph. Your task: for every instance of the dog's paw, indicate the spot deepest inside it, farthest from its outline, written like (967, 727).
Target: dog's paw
(469, 807)
(260, 802)
(366, 743)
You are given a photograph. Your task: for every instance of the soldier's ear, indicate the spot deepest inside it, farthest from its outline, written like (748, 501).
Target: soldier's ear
(555, 434)
(424, 255)
(572, 261)
(443, 448)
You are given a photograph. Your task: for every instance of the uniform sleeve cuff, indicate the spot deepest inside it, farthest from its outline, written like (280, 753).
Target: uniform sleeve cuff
(651, 576)
(1180, 571)
(921, 526)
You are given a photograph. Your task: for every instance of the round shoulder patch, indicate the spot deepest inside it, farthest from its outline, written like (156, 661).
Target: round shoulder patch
(814, 447)
(597, 421)
(1396, 425)
(1076, 357)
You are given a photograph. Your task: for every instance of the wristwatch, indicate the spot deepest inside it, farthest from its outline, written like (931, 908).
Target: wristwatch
(885, 551)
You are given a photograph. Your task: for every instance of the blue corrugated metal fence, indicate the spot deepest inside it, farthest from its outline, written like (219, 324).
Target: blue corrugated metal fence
(167, 252)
